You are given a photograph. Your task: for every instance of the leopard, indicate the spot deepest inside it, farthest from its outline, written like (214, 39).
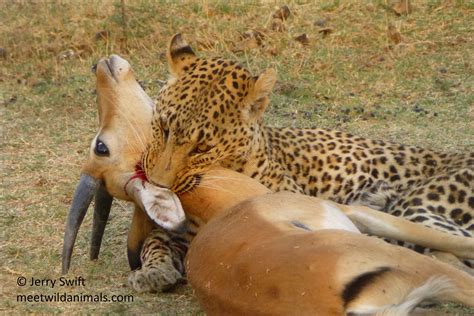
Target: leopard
(210, 113)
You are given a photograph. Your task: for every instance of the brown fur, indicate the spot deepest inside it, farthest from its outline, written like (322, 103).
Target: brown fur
(247, 260)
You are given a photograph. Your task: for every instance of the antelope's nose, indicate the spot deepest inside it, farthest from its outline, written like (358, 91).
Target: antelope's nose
(119, 66)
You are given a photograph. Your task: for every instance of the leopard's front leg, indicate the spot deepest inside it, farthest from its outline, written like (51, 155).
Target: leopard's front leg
(162, 262)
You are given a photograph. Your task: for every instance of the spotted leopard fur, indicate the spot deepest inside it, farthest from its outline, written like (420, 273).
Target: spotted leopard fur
(162, 258)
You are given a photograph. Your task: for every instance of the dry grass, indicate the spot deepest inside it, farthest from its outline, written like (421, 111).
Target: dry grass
(350, 75)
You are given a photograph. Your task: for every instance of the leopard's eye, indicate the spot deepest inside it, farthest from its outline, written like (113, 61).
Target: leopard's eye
(166, 133)
(201, 148)
(164, 127)
(101, 149)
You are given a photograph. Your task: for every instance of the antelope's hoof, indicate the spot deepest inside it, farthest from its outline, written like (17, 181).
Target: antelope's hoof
(160, 278)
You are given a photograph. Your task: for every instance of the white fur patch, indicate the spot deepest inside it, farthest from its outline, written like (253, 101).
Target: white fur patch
(433, 288)
(309, 215)
(335, 219)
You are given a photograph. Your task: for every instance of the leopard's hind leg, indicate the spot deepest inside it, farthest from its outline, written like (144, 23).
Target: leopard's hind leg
(444, 202)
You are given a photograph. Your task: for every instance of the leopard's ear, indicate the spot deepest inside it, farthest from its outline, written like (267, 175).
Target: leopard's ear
(180, 55)
(258, 96)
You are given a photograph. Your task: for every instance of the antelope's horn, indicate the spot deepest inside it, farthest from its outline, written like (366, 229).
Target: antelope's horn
(83, 195)
(103, 203)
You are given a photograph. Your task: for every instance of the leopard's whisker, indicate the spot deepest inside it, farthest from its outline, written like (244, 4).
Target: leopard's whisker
(216, 188)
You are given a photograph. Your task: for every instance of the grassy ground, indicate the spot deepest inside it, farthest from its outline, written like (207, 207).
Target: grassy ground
(413, 84)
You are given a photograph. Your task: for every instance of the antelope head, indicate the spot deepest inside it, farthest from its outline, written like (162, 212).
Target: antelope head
(125, 113)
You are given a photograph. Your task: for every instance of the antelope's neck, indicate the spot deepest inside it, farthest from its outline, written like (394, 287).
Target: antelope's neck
(219, 190)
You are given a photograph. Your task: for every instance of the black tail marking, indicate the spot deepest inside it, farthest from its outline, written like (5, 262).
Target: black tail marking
(357, 285)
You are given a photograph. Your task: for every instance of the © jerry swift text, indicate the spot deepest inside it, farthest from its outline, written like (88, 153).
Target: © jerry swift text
(46, 282)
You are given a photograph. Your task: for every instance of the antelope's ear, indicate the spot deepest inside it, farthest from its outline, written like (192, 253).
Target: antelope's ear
(180, 55)
(162, 207)
(258, 97)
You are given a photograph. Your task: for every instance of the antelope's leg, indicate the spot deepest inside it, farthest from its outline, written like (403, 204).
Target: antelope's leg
(384, 225)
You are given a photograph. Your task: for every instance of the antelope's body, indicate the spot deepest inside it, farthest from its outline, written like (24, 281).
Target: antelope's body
(285, 253)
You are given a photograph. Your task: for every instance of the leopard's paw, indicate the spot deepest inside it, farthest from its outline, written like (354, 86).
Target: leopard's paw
(157, 278)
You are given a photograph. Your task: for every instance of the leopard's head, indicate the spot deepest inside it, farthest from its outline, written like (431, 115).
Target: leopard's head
(208, 114)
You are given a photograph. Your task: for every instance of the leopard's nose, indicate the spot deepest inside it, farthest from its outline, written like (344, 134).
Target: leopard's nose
(159, 183)
(163, 186)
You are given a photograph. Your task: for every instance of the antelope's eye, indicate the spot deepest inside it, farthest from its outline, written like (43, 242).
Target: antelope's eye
(201, 148)
(101, 149)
